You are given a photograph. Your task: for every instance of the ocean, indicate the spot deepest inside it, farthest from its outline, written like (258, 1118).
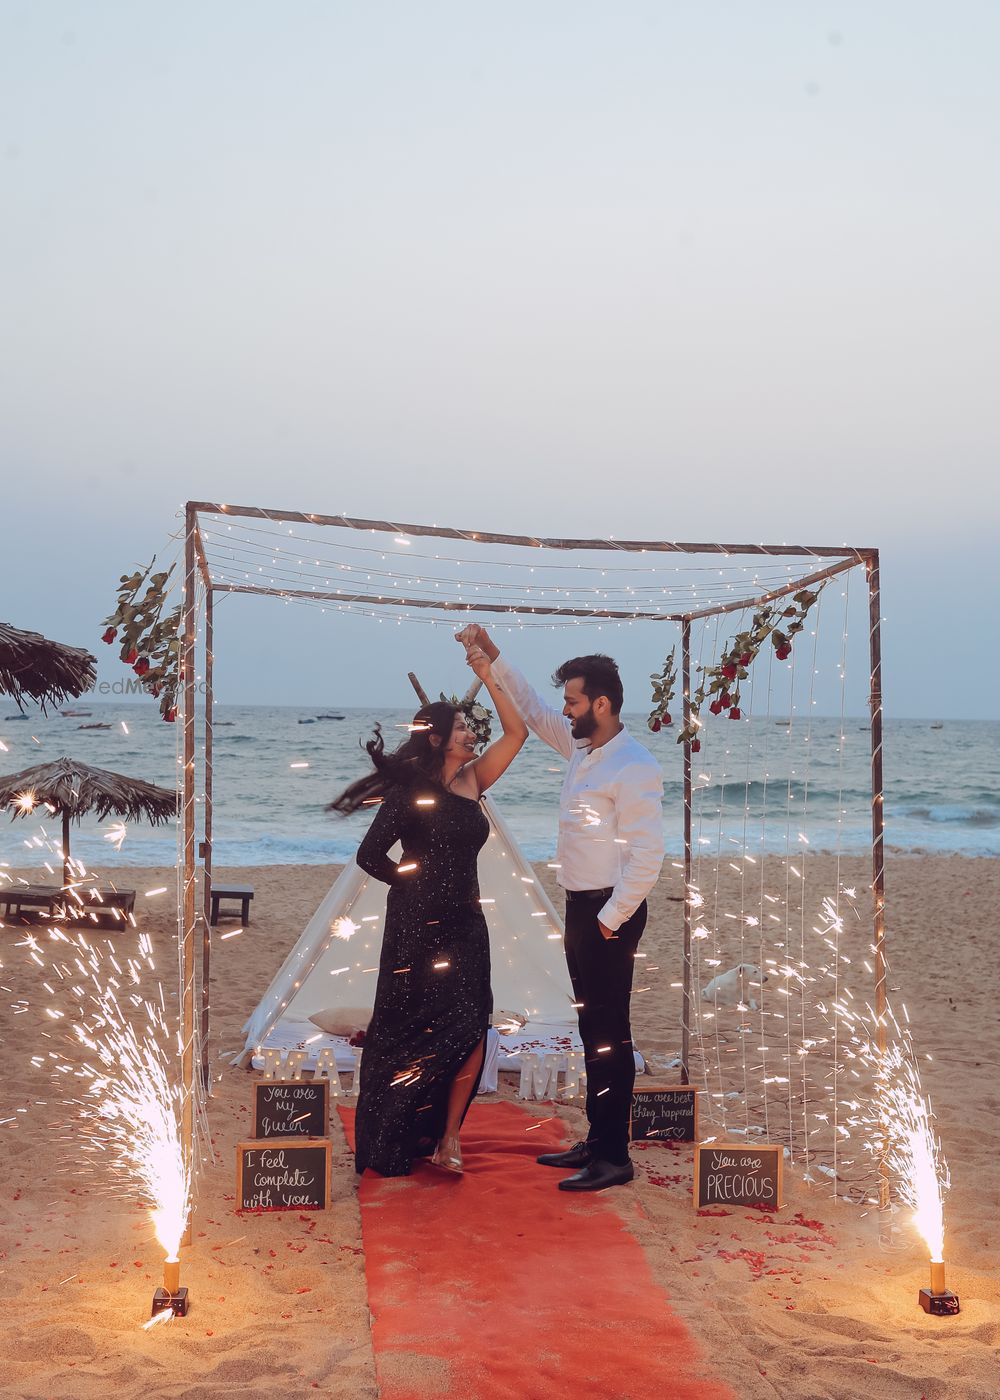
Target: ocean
(763, 783)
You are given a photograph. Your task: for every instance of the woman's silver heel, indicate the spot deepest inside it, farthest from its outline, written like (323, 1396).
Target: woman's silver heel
(448, 1154)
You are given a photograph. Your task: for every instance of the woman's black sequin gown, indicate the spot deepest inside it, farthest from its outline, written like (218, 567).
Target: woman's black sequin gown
(428, 1019)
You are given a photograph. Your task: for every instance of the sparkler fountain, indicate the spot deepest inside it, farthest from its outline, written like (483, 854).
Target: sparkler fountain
(137, 1114)
(918, 1166)
(129, 1115)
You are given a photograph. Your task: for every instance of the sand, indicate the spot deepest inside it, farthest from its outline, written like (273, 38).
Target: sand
(810, 1303)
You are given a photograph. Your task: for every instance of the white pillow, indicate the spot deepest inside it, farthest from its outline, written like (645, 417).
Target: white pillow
(342, 1020)
(508, 1022)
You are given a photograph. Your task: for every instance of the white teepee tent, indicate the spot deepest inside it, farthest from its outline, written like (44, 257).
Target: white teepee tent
(335, 962)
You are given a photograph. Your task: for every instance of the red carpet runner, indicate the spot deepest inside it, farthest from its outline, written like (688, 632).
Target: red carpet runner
(498, 1286)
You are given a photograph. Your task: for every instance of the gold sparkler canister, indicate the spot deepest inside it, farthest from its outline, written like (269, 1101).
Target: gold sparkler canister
(172, 1275)
(937, 1276)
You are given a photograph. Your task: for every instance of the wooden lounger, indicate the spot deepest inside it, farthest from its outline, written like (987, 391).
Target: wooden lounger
(48, 897)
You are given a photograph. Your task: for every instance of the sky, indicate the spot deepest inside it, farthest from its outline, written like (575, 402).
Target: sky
(688, 271)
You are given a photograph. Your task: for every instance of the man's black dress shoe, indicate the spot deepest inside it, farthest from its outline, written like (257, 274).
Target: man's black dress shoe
(598, 1175)
(579, 1155)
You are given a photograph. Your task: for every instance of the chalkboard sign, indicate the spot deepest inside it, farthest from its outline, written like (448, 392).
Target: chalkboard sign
(728, 1174)
(291, 1108)
(667, 1114)
(283, 1175)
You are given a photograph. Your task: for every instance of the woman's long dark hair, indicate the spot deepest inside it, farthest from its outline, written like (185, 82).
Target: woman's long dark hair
(416, 760)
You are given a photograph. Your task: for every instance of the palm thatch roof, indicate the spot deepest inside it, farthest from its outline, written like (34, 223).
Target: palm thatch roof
(75, 788)
(32, 666)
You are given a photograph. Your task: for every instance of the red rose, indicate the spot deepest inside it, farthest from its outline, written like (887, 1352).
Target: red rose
(782, 653)
(171, 714)
(132, 658)
(695, 745)
(716, 707)
(725, 700)
(141, 666)
(746, 658)
(667, 719)
(734, 713)
(729, 670)
(109, 635)
(655, 726)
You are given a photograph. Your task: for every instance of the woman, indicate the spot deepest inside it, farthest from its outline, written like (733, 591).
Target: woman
(426, 1043)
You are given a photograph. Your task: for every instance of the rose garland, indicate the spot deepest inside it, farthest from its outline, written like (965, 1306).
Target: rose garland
(723, 680)
(150, 643)
(664, 683)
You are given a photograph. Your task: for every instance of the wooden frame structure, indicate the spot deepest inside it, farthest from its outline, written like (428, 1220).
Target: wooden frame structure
(838, 559)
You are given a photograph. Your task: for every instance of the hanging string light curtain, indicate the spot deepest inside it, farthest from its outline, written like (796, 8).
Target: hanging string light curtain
(358, 565)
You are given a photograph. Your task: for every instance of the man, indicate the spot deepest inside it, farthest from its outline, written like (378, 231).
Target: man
(610, 852)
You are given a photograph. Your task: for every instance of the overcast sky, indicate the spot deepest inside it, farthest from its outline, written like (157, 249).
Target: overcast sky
(695, 271)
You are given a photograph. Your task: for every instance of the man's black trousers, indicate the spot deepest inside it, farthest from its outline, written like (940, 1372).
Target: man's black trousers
(601, 972)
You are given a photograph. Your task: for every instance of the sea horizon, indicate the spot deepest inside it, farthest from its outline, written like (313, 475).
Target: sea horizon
(766, 784)
(312, 706)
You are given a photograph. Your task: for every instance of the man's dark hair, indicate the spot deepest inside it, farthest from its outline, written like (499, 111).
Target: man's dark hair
(599, 675)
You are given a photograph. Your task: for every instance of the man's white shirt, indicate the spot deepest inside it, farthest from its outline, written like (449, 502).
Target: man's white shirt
(610, 810)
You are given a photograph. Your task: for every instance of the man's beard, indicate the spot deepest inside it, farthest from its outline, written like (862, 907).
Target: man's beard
(584, 725)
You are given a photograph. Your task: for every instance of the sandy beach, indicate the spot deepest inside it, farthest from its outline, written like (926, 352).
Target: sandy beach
(808, 1303)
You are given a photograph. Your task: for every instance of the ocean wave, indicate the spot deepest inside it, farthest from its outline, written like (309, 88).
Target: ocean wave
(954, 815)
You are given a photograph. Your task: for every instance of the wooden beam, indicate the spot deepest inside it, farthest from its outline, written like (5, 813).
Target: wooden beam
(755, 602)
(446, 605)
(188, 914)
(525, 541)
(686, 996)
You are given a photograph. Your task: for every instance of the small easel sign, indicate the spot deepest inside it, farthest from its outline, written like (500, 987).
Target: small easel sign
(285, 1175)
(668, 1114)
(291, 1108)
(728, 1173)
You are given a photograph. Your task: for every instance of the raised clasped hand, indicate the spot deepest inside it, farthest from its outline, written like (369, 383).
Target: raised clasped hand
(469, 635)
(479, 661)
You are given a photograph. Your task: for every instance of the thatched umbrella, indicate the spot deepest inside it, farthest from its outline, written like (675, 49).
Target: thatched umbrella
(45, 671)
(74, 788)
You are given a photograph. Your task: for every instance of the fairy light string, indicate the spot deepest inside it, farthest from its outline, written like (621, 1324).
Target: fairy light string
(842, 740)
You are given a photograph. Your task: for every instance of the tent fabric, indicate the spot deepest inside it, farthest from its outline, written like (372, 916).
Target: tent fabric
(335, 961)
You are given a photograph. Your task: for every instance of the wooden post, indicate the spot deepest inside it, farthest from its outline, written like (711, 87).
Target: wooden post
(65, 846)
(686, 1006)
(878, 832)
(188, 912)
(206, 865)
(421, 696)
(467, 698)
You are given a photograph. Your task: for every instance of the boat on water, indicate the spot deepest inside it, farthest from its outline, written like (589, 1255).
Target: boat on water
(93, 726)
(10, 717)
(307, 721)
(937, 726)
(76, 714)
(329, 716)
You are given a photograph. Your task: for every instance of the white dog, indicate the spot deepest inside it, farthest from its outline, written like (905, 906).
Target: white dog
(735, 987)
